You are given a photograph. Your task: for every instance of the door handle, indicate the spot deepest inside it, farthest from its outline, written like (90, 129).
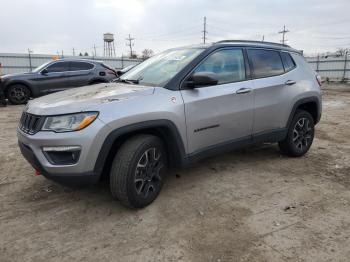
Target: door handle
(243, 90)
(290, 82)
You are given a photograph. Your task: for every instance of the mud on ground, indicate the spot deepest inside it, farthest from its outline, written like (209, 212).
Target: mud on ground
(248, 205)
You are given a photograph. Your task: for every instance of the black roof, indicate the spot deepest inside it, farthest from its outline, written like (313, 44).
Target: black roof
(252, 43)
(244, 43)
(79, 60)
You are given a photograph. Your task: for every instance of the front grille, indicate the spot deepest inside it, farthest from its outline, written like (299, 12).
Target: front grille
(30, 124)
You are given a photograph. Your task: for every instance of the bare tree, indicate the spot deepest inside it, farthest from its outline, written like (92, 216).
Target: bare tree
(342, 51)
(147, 53)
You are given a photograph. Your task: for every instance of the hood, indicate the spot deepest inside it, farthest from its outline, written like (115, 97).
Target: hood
(17, 75)
(86, 98)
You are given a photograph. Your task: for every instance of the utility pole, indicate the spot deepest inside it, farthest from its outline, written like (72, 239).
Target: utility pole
(30, 58)
(73, 51)
(283, 32)
(205, 32)
(95, 54)
(130, 44)
(62, 54)
(263, 38)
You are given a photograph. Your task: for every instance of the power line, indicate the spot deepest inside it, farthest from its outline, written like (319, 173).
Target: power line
(130, 44)
(205, 29)
(178, 33)
(283, 32)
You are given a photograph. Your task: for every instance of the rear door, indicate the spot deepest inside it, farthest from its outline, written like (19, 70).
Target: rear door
(54, 78)
(223, 112)
(80, 73)
(272, 88)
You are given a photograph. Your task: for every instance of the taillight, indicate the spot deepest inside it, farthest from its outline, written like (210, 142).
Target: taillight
(111, 72)
(318, 79)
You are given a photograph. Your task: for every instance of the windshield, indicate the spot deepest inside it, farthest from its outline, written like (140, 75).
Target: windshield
(159, 69)
(36, 70)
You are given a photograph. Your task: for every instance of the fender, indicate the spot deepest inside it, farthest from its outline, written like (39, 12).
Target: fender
(301, 101)
(174, 141)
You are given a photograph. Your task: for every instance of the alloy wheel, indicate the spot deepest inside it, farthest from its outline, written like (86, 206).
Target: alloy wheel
(18, 94)
(302, 134)
(147, 174)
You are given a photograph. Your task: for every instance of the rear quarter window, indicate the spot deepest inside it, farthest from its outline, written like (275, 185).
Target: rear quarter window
(265, 63)
(76, 66)
(288, 61)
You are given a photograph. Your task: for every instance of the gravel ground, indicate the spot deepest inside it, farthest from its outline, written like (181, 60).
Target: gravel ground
(248, 205)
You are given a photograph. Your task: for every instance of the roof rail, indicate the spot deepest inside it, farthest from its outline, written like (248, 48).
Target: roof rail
(250, 41)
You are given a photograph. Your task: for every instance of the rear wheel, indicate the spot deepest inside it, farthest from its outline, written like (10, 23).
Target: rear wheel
(138, 171)
(300, 135)
(18, 94)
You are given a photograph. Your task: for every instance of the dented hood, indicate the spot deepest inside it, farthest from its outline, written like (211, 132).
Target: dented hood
(86, 98)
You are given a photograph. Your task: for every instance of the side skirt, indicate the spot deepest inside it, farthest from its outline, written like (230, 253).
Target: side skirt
(272, 136)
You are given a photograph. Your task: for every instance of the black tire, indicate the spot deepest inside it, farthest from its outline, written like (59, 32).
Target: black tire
(134, 179)
(18, 94)
(300, 135)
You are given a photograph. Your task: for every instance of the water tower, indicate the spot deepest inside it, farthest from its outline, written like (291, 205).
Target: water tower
(109, 49)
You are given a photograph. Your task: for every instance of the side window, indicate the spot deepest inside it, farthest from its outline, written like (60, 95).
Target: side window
(76, 66)
(265, 62)
(228, 65)
(288, 61)
(58, 67)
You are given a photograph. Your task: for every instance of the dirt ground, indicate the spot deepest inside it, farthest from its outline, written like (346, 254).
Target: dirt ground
(248, 205)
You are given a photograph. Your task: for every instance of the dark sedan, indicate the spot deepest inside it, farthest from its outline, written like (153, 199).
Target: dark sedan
(54, 76)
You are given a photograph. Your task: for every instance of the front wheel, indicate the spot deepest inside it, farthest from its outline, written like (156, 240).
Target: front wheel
(18, 94)
(300, 135)
(138, 171)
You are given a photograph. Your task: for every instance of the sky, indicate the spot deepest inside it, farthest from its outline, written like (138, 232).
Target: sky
(51, 26)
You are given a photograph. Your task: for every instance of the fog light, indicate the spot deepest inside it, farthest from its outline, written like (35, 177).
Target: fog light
(62, 155)
(60, 148)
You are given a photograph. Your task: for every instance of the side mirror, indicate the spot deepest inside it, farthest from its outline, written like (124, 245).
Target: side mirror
(119, 73)
(201, 79)
(44, 71)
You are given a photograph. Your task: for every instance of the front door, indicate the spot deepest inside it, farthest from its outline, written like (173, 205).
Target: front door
(223, 112)
(53, 78)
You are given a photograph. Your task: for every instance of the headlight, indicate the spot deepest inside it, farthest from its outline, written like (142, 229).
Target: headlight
(66, 123)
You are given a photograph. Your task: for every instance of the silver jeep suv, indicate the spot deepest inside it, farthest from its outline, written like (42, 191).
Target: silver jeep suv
(177, 107)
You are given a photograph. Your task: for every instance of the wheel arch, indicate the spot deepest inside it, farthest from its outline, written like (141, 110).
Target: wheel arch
(164, 129)
(309, 104)
(18, 82)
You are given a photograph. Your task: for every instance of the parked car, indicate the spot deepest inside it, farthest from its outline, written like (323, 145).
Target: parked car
(175, 108)
(124, 70)
(57, 75)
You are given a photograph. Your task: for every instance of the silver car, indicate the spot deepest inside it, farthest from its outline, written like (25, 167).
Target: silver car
(175, 108)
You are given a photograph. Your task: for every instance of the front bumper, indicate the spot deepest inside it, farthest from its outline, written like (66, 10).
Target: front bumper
(76, 179)
(82, 172)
